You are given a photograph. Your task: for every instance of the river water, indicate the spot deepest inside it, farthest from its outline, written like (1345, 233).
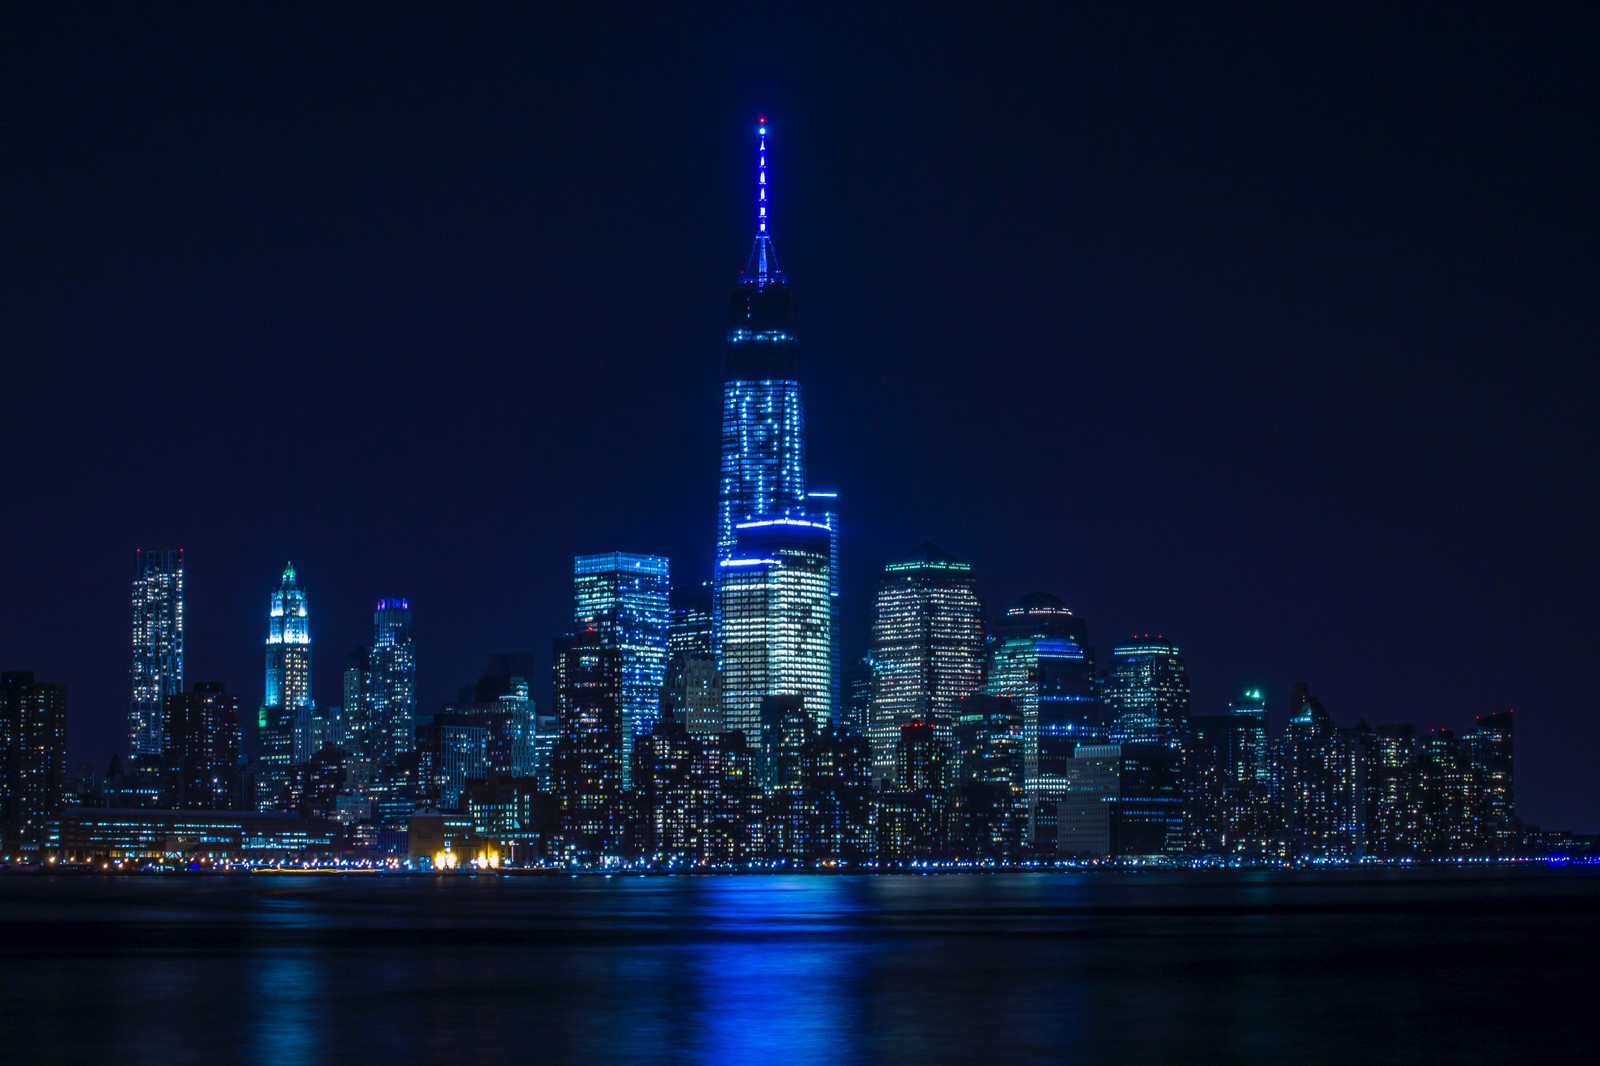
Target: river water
(1407, 966)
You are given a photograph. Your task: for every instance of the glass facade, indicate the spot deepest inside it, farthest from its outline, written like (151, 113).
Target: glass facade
(1147, 692)
(927, 649)
(157, 645)
(777, 624)
(286, 725)
(288, 646)
(624, 598)
(1041, 660)
(763, 469)
(392, 708)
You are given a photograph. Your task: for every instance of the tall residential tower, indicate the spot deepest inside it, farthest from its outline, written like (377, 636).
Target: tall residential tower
(157, 645)
(392, 698)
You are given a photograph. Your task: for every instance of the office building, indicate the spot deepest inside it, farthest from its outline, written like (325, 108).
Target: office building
(1146, 693)
(927, 649)
(1041, 660)
(586, 765)
(392, 703)
(623, 599)
(777, 621)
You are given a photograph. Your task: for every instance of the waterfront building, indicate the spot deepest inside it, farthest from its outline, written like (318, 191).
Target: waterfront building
(1225, 779)
(157, 645)
(1450, 798)
(623, 598)
(33, 752)
(916, 807)
(1316, 781)
(201, 745)
(1120, 800)
(690, 629)
(836, 795)
(1146, 692)
(287, 726)
(927, 649)
(193, 836)
(824, 506)
(460, 749)
(587, 761)
(776, 618)
(989, 804)
(693, 695)
(675, 795)
(763, 449)
(288, 645)
(1489, 753)
(391, 709)
(1041, 660)
(1249, 710)
(857, 703)
(1395, 818)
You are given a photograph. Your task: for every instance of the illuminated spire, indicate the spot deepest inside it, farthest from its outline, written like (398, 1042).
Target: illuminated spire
(761, 175)
(763, 266)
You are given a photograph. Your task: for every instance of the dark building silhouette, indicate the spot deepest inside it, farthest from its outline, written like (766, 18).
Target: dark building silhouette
(989, 803)
(200, 748)
(587, 762)
(33, 740)
(836, 790)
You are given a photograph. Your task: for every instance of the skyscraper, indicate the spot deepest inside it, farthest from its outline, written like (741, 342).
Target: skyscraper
(1489, 752)
(927, 649)
(689, 631)
(288, 646)
(763, 447)
(586, 765)
(825, 506)
(624, 599)
(1042, 661)
(1147, 691)
(202, 748)
(693, 692)
(393, 695)
(358, 703)
(285, 726)
(33, 743)
(777, 621)
(157, 645)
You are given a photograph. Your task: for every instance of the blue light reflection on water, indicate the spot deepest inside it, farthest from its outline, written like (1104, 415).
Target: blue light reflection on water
(783, 978)
(1257, 967)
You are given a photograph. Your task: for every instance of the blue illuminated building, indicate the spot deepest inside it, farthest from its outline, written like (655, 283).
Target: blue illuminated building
(625, 599)
(1042, 661)
(286, 724)
(763, 441)
(157, 645)
(777, 622)
(393, 679)
(1147, 692)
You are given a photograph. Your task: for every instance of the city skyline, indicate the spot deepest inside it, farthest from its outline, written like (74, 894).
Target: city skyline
(1410, 572)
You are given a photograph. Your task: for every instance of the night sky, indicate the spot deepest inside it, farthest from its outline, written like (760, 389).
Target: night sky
(1275, 333)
